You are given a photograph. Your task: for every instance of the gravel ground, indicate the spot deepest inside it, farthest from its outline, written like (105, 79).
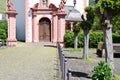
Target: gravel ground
(81, 69)
(28, 62)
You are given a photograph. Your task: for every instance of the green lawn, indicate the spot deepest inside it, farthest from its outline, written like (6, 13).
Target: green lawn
(2, 6)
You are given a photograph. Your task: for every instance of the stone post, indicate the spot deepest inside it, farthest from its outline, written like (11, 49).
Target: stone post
(11, 18)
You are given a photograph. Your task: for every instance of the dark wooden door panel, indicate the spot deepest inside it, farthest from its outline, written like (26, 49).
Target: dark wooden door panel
(44, 31)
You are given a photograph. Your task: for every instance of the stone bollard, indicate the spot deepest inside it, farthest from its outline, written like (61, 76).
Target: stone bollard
(65, 69)
(69, 74)
(62, 65)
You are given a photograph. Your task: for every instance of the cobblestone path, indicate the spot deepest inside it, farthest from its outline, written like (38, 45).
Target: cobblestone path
(28, 62)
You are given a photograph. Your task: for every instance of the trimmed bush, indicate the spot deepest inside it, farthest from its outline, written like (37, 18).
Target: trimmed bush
(116, 38)
(94, 38)
(69, 39)
(80, 39)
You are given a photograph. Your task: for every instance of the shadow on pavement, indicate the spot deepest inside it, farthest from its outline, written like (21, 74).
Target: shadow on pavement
(116, 55)
(50, 46)
(80, 74)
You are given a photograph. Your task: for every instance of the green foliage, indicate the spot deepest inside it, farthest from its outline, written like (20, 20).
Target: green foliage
(96, 24)
(116, 23)
(3, 30)
(87, 24)
(110, 5)
(95, 37)
(2, 6)
(102, 71)
(72, 50)
(3, 24)
(76, 27)
(80, 39)
(116, 38)
(69, 39)
(117, 32)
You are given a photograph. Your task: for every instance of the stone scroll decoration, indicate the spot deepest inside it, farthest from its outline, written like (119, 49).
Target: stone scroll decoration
(62, 6)
(10, 6)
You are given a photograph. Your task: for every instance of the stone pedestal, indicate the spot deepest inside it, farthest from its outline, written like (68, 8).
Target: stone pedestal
(11, 18)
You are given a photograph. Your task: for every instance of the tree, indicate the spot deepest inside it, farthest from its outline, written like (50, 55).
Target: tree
(86, 26)
(76, 30)
(105, 10)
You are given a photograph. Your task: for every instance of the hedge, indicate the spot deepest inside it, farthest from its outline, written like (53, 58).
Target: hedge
(94, 38)
(69, 38)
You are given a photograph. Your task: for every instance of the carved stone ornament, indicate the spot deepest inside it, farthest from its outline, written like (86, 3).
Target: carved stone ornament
(62, 6)
(10, 6)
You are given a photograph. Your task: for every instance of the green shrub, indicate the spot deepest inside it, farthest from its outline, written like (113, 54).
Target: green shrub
(80, 40)
(116, 38)
(95, 37)
(3, 30)
(69, 39)
(117, 32)
(102, 71)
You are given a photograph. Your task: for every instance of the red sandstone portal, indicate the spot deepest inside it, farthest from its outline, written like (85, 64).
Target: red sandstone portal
(48, 23)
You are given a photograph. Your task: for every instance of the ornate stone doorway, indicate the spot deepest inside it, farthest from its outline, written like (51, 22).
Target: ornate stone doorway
(44, 30)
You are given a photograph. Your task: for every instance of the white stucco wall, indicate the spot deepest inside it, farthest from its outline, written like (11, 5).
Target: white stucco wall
(19, 6)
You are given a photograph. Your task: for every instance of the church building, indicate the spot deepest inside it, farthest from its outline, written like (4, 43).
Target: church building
(41, 21)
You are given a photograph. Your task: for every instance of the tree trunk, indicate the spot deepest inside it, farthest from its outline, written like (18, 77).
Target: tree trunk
(75, 41)
(108, 45)
(86, 43)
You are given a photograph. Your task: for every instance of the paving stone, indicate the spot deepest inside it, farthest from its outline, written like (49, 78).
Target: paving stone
(28, 62)
(81, 69)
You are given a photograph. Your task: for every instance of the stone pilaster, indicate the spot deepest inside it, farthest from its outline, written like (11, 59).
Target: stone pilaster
(61, 27)
(11, 18)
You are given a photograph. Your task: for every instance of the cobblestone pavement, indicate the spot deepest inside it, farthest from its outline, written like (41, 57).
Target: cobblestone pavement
(28, 62)
(81, 69)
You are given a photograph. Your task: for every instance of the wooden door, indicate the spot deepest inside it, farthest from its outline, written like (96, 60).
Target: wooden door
(44, 31)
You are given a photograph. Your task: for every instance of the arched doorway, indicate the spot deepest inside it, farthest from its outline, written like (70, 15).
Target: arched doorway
(44, 30)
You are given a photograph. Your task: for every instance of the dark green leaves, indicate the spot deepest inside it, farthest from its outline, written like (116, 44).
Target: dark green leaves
(90, 18)
(102, 72)
(3, 30)
(112, 5)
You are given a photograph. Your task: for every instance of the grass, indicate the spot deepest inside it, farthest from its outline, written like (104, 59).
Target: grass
(90, 58)
(72, 50)
(116, 77)
(2, 6)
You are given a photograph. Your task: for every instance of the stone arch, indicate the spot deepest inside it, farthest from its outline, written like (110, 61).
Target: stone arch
(44, 30)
